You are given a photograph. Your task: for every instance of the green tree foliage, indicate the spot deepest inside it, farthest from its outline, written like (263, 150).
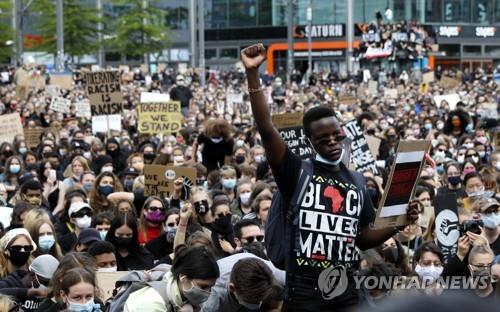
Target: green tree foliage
(138, 30)
(80, 22)
(6, 33)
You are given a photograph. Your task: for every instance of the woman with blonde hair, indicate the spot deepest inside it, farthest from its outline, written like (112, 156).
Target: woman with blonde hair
(73, 171)
(105, 184)
(43, 232)
(15, 251)
(8, 303)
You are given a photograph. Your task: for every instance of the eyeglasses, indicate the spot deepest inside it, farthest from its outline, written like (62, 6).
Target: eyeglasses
(82, 214)
(484, 266)
(251, 239)
(17, 248)
(153, 208)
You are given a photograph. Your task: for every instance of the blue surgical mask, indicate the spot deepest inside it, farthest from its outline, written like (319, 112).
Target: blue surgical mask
(216, 140)
(105, 189)
(229, 184)
(491, 220)
(14, 169)
(320, 158)
(23, 150)
(46, 242)
(81, 307)
(88, 186)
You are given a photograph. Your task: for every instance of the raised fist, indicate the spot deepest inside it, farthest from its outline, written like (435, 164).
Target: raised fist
(253, 56)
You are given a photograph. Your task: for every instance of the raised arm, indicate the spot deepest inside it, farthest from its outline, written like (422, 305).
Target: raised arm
(252, 57)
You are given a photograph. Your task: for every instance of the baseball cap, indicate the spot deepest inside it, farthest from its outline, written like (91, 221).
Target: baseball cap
(130, 171)
(75, 207)
(483, 204)
(89, 235)
(44, 266)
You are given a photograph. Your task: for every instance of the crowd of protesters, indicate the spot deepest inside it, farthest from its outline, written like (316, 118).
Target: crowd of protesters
(79, 205)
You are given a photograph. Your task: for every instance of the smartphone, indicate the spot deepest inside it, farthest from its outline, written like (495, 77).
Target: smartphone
(52, 175)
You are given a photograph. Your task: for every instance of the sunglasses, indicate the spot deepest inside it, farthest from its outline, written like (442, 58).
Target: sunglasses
(251, 239)
(17, 248)
(153, 208)
(82, 214)
(222, 215)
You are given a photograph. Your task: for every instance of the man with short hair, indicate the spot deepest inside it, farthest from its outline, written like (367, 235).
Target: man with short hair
(247, 231)
(31, 192)
(104, 255)
(480, 262)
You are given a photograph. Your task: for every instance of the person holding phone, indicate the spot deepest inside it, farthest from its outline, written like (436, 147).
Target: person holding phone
(53, 189)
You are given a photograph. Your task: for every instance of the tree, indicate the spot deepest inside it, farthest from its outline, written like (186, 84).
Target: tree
(7, 39)
(140, 29)
(80, 23)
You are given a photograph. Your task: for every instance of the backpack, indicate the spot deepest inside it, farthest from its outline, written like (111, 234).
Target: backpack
(283, 217)
(132, 282)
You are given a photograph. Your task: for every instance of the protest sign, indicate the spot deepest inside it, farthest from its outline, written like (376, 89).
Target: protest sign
(106, 281)
(290, 128)
(448, 83)
(156, 118)
(64, 82)
(373, 144)
(83, 109)
(348, 99)
(32, 136)
(401, 184)
(234, 98)
(159, 180)
(361, 156)
(6, 216)
(428, 77)
(104, 92)
(144, 68)
(373, 87)
(105, 123)
(52, 91)
(452, 100)
(401, 89)
(391, 93)
(10, 127)
(60, 104)
(447, 226)
(152, 97)
(124, 68)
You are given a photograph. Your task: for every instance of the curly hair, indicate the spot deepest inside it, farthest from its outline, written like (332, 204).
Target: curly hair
(218, 127)
(464, 121)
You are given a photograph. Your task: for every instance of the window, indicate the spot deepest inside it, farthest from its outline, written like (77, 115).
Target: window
(216, 14)
(210, 54)
(229, 53)
(450, 49)
(457, 11)
(492, 51)
(112, 57)
(134, 57)
(265, 13)
(472, 50)
(242, 13)
(177, 18)
(482, 11)
(433, 11)
(497, 12)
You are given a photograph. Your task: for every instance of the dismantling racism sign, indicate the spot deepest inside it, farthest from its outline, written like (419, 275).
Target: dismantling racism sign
(361, 155)
(159, 117)
(290, 127)
(104, 92)
(159, 180)
(401, 183)
(447, 226)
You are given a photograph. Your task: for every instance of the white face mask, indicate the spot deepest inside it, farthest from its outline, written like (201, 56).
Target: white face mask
(83, 222)
(429, 273)
(107, 169)
(107, 270)
(217, 140)
(179, 159)
(261, 158)
(245, 198)
(320, 158)
(461, 159)
(79, 307)
(87, 155)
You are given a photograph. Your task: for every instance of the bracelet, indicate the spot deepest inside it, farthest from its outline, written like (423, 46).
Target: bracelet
(250, 90)
(180, 224)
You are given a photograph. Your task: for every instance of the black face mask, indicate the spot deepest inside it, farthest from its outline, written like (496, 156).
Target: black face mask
(391, 254)
(113, 153)
(149, 157)
(19, 258)
(223, 225)
(239, 159)
(123, 241)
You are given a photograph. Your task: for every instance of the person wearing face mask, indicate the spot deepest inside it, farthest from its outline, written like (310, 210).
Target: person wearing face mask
(15, 249)
(474, 186)
(222, 227)
(151, 219)
(123, 234)
(87, 180)
(217, 144)
(114, 151)
(105, 184)
(495, 161)
(80, 216)
(43, 232)
(163, 245)
(104, 255)
(228, 181)
(428, 263)
(488, 211)
(181, 93)
(127, 177)
(178, 156)
(480, 261)
(14, 169)
(452, 181)
(188, 284)
(258, 154)
(240, 155)
(242, 205)
(392, 252)
(77, 291)
(31, 192)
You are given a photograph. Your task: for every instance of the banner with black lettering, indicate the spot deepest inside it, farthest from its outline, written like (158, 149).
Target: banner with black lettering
(104, 92)
(290, 127)
(361, 156)
(447, 225)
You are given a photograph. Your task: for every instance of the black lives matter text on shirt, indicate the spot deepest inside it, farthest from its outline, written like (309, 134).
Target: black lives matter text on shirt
(361, 155)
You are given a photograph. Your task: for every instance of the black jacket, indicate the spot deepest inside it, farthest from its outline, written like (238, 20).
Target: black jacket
(140, 259)
(13, 285)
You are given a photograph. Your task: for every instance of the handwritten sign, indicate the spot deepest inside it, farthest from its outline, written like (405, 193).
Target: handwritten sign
(104, 92)
(10, 127)
(428, 77)
(391, 93)
(105, 123)
(159, 180)
(83, 109)
(159, 117)
(32, 136)
(448, 83)
(153, 97)
(60, 104)
(290, 128)
(361, 155)
(106, 281)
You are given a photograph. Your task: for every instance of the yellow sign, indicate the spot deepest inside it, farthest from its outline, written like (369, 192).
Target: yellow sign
(163, 117)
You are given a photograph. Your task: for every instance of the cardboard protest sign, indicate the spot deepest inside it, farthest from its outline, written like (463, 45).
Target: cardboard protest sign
(124, 68)
(32, 136)
(428, 77)
(234, 98)
(391, 93)
(401, 89)
(104, 92)
(447, 225)
(106, 281)
(373, 144)
(448, 83)
(10, 127)
(152, 97)
(83, 109)
(401, 184)
(290, 128)
(373, 87)
(361, 155)
(159, 180)
(144, 68)
(64, 82)
(156, 118)
(105, 123)
(452, 100)
(6, 216)
(60, 104)
(348, 99)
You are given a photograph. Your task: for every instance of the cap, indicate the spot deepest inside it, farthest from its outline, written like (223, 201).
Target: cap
(89, 235)
(75, 207)
(482, 204)
(10, 235)
(130, 171)
(44, 266)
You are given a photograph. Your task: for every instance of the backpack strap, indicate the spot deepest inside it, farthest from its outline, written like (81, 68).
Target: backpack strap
(305, 175)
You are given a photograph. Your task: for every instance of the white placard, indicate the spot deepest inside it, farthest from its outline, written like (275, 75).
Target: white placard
(82, 109)
(6, 216)
(103, 123)
(151, 97)
(60, 104)
(452, 100)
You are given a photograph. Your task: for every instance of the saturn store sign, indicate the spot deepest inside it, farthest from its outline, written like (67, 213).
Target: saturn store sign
(320, 31)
